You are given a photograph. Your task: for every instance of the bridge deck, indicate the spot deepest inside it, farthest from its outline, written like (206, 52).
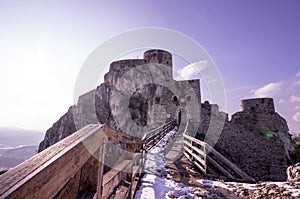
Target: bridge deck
(64, 169)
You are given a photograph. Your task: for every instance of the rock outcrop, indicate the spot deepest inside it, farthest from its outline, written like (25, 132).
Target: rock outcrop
(257, 138)
(293, 173)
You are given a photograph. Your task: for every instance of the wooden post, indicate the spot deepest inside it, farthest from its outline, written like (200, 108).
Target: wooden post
(102, 151)
(191, 148)
(205, 154)
(131, 174)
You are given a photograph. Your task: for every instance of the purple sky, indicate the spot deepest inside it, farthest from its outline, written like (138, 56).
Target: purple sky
(255, 44)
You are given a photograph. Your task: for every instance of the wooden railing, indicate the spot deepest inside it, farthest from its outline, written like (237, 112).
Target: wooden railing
(195, 154)
(71, 169)
(200, 153)
(151, 138)
(124, 176)
(75, 166)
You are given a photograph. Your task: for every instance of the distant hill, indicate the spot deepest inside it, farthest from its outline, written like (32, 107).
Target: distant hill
(10, 137)
(10, 157)
(17, 145)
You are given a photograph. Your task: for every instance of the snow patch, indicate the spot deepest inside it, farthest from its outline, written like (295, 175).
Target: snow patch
(157, 183)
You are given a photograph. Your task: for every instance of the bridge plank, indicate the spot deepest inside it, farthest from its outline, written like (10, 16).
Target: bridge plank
(114, 176)
(123, 192)
(134, 185)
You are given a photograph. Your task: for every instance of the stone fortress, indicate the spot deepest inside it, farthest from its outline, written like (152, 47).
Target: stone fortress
(256, 139)
(96, 105)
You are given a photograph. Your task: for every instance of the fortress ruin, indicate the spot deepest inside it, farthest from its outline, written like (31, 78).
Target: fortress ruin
(256, 139)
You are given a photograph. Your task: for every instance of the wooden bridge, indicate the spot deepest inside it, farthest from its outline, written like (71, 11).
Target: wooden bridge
(75, 166)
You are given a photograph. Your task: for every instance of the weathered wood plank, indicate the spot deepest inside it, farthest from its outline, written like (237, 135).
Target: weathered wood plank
(134, 185)
(195, 156)
(113, 177)
(135, 170)
(230, 164)
(220, 168)
(88, 178)
(194, 140)
(123, 192)
(188, 156)
(55, 172)
(70, 190)
(49, 178)
(200, 167)
(121, 167)
(199, 151)
(15, 175)
(102, 152)
(156, 130)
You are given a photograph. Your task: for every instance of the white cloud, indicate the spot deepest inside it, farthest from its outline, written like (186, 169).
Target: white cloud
(281, 101)
(296, 108)
(192, 69)
(296, 83)
(298, 74)
(296, 117)
(269, 90)
(295, 98)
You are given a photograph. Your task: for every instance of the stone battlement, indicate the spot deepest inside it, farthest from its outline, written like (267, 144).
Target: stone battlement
(158, 56)
(125, 64)
(258, 105)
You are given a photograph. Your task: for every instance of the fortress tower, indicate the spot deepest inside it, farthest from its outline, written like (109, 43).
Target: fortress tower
(158, 56)
(265, 105)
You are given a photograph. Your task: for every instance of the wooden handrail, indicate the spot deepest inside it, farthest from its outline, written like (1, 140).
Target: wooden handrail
(62, 170)
(155, 131)
(194, 154)
(112, 178)
(47, 173)
(151, 138)
(199, 156)
(230, 164)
